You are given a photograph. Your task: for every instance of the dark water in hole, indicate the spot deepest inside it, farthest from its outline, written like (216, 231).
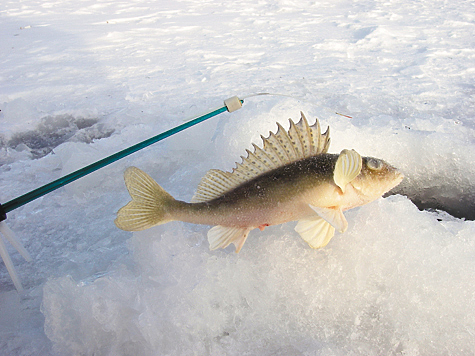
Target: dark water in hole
(55, 130)
(454, 200)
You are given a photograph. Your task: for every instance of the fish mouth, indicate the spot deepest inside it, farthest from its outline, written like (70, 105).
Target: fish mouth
(399, 176)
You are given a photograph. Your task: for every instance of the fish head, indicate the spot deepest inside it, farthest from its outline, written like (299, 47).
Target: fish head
(376, 178)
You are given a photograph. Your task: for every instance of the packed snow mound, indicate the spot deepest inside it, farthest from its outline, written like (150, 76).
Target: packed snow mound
(399, 281)
(378, 289)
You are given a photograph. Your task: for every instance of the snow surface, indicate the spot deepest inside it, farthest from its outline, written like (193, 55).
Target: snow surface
(80, 80)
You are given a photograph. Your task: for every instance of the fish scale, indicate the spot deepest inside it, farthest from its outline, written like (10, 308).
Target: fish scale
(274, 154)
(292, 177)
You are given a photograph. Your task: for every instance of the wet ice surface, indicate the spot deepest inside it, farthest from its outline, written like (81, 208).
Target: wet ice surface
(110, 74)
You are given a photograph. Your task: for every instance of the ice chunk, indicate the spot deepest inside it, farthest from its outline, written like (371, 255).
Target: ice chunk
(10, 237)
(380, 288)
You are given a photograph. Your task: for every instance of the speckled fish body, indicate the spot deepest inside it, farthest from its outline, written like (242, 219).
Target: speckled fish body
(291, 178)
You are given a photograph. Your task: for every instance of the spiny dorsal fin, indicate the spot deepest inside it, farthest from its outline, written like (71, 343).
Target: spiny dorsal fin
(284, 147)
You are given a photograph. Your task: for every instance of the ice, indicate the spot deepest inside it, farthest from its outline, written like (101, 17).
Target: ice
(90, 78)
(377, 289)
(17, 114)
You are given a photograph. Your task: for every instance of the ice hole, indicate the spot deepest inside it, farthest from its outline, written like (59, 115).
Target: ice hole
(453, 199)
(55, 130)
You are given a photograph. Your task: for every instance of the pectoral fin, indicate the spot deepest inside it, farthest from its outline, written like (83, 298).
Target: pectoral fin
(333, 216)
(221, 236)
(347, 167)
(315, 231)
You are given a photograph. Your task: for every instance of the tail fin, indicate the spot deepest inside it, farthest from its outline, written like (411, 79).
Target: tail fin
(149, 206)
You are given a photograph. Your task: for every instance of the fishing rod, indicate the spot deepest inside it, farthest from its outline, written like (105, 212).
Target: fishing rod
(230, 105)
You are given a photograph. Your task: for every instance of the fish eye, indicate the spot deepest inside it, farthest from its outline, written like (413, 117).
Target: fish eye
(374, 164)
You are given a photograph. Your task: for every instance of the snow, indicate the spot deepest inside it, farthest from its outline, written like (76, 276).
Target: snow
(82, 80)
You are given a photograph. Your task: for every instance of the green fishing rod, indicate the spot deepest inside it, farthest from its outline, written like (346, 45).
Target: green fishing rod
(230, 105)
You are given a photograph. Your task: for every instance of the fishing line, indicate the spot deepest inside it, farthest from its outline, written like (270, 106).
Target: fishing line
(293, 97)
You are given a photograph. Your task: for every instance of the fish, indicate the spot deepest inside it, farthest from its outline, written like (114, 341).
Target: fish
(291, 177)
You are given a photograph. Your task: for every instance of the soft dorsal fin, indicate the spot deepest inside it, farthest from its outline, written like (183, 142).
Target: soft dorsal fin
(347, 167)
(284, 147)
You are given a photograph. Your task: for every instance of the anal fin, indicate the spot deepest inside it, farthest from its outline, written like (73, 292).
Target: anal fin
(316, 231)
(221, 236)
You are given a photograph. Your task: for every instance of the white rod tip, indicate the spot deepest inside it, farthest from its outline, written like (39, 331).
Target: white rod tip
(233, 104)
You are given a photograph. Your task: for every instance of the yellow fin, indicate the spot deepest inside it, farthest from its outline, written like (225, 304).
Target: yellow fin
(213, 184)
(334, 217)
(316, 231)
(221, 236)
(347, 167)
(284, 147)
(308, 139)
(149, 205)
